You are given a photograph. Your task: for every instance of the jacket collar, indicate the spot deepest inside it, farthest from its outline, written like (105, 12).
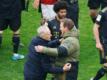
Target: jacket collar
(73, 33)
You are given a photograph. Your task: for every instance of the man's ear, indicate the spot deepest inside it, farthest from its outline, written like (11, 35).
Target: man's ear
(66, 29)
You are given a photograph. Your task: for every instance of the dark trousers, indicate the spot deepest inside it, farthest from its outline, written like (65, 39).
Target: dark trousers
(73, 13)
(103, 56)
(73, 73)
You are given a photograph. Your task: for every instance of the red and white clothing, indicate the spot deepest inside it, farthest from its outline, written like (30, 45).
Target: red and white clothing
(47, 9)
(48, 1)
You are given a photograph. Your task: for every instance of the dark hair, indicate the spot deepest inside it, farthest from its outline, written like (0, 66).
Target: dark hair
(60, 5)
(68, 23)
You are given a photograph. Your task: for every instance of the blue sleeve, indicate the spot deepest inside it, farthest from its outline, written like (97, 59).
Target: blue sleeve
(48, 67)
(54, 43)
(52, 69)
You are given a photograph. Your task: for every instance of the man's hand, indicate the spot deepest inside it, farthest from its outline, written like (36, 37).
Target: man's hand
(99, 46)
(39, 48)
(67, 67)
(60, 40)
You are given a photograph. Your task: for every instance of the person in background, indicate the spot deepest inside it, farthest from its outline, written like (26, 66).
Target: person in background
(10, 15)
(100, 34)
(46, 8)
(73, 11)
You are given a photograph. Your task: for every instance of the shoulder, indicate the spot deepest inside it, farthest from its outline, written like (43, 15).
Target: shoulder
(70, 40)
(52, 21)
(100, 17)
(35, 40)
(71, 43)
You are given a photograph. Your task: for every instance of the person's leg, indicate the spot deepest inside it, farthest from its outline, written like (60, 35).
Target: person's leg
(73, 73)
(70, 75)
(73, 13)
(15, 24)
(1, 32)
(100, 74)
(16, 41)
(3, 26)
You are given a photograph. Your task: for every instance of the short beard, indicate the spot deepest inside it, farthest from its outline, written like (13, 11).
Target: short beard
(60, 17)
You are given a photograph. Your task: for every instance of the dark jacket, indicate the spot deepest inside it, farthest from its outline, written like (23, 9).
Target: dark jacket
(42, 64)
(54, 26)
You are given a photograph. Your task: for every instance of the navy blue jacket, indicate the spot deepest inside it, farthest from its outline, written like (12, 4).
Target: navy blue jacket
(42, 64)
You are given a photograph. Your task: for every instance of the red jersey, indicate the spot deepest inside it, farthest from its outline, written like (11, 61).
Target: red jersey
(48, 1)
